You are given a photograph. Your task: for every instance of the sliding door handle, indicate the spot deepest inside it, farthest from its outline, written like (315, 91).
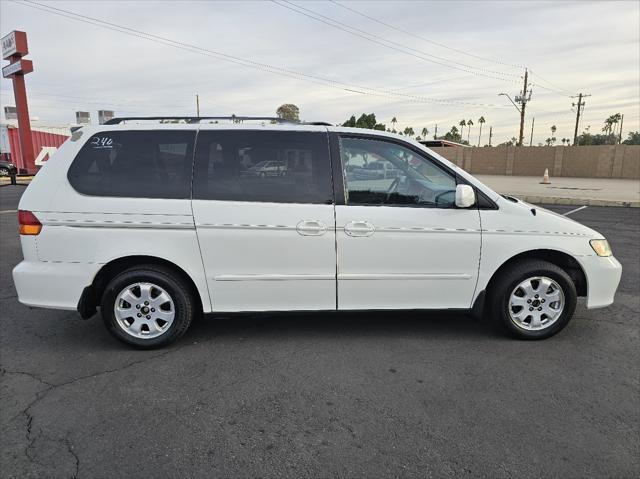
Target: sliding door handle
(311, 228)
(359, 228)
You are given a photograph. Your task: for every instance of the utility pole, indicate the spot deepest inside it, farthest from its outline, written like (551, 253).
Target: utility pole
(435, 135)
(490, 134)
(579, 110)
(521, 99)
(533, 122)
(523, 103)
(197, 105)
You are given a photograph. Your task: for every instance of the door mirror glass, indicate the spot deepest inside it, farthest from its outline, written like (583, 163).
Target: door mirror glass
(465, 196)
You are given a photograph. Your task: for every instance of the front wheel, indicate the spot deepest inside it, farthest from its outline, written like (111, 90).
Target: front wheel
(147, 306)
(533, 299)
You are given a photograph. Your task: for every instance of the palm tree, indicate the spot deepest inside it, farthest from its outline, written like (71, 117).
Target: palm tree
(615, 119)
(462, 124)
(469, 125)
(425, 132)
(481, 120)
(408, 131)
(393, 122)
(553, 129)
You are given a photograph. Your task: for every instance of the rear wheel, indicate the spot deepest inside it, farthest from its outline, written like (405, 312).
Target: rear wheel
(533, 299)
(147, 306)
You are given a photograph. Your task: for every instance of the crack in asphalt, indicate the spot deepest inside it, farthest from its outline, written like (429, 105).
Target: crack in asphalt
(40, 395)
(67, 442)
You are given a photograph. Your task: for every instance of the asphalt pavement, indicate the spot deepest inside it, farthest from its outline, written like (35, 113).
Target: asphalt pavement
(324, 395)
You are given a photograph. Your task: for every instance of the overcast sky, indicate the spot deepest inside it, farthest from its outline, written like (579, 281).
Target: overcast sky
(433, 63)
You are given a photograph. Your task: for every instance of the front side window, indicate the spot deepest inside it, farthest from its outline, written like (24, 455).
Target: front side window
(138, 164)
(263, 166)
(378, 172)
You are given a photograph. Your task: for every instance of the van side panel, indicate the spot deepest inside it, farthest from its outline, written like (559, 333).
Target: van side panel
(514, 229)
(81, 233)
(97, 239)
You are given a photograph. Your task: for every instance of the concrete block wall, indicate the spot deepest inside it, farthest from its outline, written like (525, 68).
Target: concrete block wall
(600, 161)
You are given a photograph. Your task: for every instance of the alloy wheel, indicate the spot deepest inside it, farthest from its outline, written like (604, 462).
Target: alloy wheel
(536, 303)
(144, 310)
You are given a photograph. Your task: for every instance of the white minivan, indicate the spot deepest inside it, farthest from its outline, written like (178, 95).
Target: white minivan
(155, 223)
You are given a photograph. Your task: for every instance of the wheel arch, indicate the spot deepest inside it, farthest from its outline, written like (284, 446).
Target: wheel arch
(91, 295)
(559, 258)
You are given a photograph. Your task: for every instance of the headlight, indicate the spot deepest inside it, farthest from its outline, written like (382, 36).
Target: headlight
(601, 247)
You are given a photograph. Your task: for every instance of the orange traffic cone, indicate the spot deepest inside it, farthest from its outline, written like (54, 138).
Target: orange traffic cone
(545, 178)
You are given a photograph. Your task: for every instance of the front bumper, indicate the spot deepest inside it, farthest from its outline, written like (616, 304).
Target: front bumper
(603, 278)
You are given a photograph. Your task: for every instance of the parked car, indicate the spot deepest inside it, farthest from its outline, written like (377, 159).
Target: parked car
(7, 168)
(268, 168)
(153, 224)
(382, 169)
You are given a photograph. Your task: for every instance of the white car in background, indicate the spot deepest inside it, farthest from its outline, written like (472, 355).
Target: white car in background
(156, 223)
(268, 168)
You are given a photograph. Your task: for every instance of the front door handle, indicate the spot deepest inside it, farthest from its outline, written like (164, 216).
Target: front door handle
(359, 228)
(311, 228)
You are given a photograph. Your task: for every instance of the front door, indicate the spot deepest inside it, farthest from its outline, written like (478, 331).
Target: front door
(401, 242)
(264, 214)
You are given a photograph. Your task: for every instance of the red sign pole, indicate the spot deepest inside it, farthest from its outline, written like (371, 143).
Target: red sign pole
(24, 124)
(14, 47)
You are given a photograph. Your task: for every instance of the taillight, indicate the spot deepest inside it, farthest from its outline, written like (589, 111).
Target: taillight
(29, 224)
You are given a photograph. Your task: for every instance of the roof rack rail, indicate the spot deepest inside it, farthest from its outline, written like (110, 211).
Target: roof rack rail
(196, 119)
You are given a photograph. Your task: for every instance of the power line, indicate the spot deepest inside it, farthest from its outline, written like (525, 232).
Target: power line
(393, 45)
(83, 100)
(247, 62)
(398, 44)
(442, 45)
(77, 100)
(555, 89)
(431, 82)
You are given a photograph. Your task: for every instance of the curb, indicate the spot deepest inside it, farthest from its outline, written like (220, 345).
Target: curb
(19, 177)
(558, 200)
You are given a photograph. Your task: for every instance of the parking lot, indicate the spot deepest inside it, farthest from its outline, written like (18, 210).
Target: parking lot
(318, 395)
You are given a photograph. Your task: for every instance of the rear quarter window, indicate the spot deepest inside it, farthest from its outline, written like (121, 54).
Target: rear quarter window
(139, 164)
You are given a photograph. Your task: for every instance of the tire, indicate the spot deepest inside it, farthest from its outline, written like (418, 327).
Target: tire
(165, 317)
(514, 304)
(4, 172)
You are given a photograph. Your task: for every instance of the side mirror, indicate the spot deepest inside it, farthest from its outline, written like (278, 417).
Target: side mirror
(465, 196)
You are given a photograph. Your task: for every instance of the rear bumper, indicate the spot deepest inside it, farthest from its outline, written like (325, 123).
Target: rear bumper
(52, 285)
(603, 278)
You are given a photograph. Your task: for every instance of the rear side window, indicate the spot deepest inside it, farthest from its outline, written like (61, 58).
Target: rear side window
(143, 164)
(263, 166)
